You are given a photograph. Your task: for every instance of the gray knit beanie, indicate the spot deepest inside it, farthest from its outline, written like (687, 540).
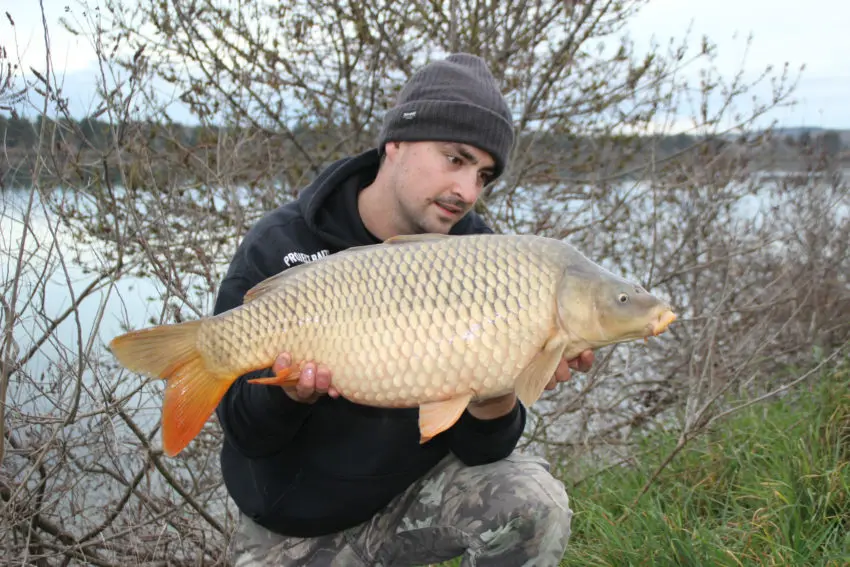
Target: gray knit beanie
(454, 100)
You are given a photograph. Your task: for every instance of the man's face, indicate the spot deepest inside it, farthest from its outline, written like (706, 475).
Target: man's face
(435, 184)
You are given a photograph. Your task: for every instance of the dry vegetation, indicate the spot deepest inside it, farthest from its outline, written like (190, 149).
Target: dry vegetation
(140, 229)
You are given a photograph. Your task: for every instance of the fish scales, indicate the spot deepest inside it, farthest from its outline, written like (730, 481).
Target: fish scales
(444, 308)
(432, 321)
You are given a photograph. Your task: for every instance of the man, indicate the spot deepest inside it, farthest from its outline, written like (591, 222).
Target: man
(322, 481)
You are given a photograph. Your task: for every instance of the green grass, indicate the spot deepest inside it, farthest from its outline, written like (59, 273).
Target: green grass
(769, 486)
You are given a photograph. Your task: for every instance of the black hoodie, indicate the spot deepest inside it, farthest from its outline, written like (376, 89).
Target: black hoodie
(308, 470)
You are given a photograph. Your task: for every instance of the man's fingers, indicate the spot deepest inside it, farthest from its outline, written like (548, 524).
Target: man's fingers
(282, 362)
(313, 380)
(306, 382)
(562, 372)
(585, 362)
(323, 378)
(582, 363)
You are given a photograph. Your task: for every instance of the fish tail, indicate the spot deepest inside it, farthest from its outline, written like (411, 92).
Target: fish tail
(193, 390)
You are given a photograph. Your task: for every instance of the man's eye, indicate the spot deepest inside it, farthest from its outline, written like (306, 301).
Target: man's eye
(454, 160)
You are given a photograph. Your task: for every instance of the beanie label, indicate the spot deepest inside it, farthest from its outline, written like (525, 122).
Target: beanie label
(409, 115)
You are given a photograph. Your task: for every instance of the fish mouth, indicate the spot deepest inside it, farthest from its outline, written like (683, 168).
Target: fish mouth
(660, 325)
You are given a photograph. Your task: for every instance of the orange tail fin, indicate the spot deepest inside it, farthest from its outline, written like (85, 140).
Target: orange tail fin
(192, 389)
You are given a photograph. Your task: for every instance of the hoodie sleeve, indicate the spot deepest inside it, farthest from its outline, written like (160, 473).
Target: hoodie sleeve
(477, 441)
(256, 420)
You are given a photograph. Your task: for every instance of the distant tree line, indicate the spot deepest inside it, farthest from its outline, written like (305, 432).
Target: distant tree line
(95, 134)
(828, 141)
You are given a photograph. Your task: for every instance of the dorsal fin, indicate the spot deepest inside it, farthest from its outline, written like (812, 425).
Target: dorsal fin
(272, 282)
(406, 238)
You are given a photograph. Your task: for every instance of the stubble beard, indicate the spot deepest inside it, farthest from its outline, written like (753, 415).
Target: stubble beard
(417, 222)
(427, 220)
(417, 218)
(420, 218)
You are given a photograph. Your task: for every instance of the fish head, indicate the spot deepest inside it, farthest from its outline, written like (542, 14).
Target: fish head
(599, 308)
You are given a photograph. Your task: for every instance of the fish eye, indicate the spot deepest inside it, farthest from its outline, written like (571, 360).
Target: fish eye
(623, 298)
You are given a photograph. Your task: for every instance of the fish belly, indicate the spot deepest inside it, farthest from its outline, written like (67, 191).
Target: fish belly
(403, 324)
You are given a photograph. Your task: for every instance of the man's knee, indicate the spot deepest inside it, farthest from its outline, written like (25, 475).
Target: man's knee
(527, 512)
(520, 490)
(543, 497)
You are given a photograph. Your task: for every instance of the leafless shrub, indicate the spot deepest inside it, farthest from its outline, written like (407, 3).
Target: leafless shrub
(129, 219)
(758, 266)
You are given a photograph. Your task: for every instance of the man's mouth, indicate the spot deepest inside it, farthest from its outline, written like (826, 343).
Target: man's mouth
(450, 209)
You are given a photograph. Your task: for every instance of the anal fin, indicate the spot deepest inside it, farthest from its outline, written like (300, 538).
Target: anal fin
(436, 417)
(282, 378)
(534, 377)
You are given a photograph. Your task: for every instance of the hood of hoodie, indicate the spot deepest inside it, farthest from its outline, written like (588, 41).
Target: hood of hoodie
(329, 203)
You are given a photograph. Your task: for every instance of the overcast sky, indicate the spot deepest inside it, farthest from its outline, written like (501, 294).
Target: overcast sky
(814, 32)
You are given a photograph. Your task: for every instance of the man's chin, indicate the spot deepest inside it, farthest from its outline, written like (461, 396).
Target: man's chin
(435, 226)
(435, 221)
(441, 222)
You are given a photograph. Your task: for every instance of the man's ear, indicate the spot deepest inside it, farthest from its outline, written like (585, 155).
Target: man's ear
(391, 149)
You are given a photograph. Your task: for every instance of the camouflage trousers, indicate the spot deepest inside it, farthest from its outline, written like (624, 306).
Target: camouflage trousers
(510, 513)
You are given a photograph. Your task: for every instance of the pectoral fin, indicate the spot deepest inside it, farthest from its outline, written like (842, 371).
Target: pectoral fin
(535, 376)
(436, 417)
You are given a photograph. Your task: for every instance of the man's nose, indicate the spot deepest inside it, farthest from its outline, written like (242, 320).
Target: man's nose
(467, 186)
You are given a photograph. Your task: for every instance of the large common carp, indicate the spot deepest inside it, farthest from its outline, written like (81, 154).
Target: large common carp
(429, 320)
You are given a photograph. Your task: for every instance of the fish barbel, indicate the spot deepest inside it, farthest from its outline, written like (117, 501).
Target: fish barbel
(432, 321)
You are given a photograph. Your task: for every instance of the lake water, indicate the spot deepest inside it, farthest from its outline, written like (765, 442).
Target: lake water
(127, 301)
(131, 302)
(46, 389)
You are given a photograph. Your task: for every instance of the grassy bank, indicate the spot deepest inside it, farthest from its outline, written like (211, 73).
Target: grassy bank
(769, 486)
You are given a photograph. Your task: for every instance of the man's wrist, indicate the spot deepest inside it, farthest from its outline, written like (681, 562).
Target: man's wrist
(493, 408)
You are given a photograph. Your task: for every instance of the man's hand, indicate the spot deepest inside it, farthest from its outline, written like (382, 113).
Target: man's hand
(497, 407)
(582, 363)
(314, 381)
